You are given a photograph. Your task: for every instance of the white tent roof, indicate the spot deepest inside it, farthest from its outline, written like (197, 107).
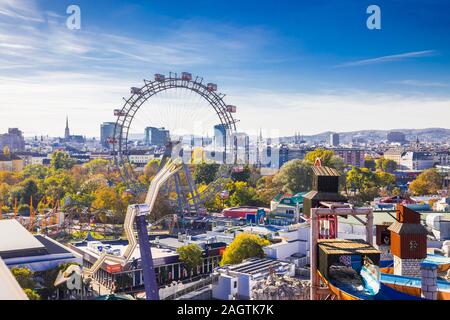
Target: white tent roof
(13, 236)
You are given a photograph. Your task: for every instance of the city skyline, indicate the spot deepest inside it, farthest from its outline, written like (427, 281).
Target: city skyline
(291, 62)
(265, 134)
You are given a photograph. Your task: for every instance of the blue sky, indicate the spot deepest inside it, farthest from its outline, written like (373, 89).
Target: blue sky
(286, 61)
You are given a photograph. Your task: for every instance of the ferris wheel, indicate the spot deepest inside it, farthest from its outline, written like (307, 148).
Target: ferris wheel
(187, 113)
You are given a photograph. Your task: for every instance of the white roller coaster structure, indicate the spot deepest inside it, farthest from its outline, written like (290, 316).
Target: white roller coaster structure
(170, 168)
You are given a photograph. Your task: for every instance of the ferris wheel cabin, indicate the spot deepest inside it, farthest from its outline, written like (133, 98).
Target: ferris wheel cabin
(135, 90)
(119, 113)
(160, 77)
(211, 87)
(186, 76)
(231, 109)
(111, 141)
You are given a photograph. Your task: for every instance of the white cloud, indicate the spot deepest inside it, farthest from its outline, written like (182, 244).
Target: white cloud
(389, 58)
(420, 83)
(46, 43)
(25, 10)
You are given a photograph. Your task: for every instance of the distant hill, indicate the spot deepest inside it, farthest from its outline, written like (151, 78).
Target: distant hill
(424, 135)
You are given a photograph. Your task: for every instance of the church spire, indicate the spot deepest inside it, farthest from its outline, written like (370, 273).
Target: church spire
(67, 131)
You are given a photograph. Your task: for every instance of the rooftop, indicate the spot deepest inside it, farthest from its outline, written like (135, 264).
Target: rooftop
(157, 253)
(255, 266)
(325, 171)
(347, 247)
(408, 228)
(15, 239)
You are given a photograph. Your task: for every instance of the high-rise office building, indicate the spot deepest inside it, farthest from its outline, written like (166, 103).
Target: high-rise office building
(156, 136)
(334, 139)
(220, 135)
(107, 133)
(242, 147)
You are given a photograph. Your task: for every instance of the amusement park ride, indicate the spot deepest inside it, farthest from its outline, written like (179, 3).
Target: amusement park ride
(188, 202)
(136, 214)
(43, 222)
(189, 199)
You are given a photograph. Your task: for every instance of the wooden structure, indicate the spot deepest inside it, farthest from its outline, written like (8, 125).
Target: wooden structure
(408, 241)
(336, 209)
(383, 235)
(331, 250)
(408, 236)
(324, 205)
(325, 187)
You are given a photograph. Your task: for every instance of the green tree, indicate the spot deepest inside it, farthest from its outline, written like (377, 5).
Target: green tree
(191, 256)
(428, 182)
(4, 192)
(205, 172)
(94, 183)
(36, 171)
(59, 184)
(23, 208)
(359, 179)
(243, 175)
(31, 294)
(294, 176)
(266, 190)
(243, 195)
(97, 166)
(327, 158)
(61, 160)
(105, 200)
(366, 184)
(24, 277)
(150, 170)
(324, 155)
(369, 163)
(386, 165)
(385, 179)
(216, 204)
(16, 192)
(244, 246)
(30, 190)
(10, 178)
(365, 196)
(396, 191)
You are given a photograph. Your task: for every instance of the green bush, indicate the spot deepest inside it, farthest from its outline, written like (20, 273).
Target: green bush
(32, 295)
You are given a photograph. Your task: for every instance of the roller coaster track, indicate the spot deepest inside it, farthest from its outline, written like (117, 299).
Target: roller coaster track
(214, 187)
(199, 199)
(169, 169)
